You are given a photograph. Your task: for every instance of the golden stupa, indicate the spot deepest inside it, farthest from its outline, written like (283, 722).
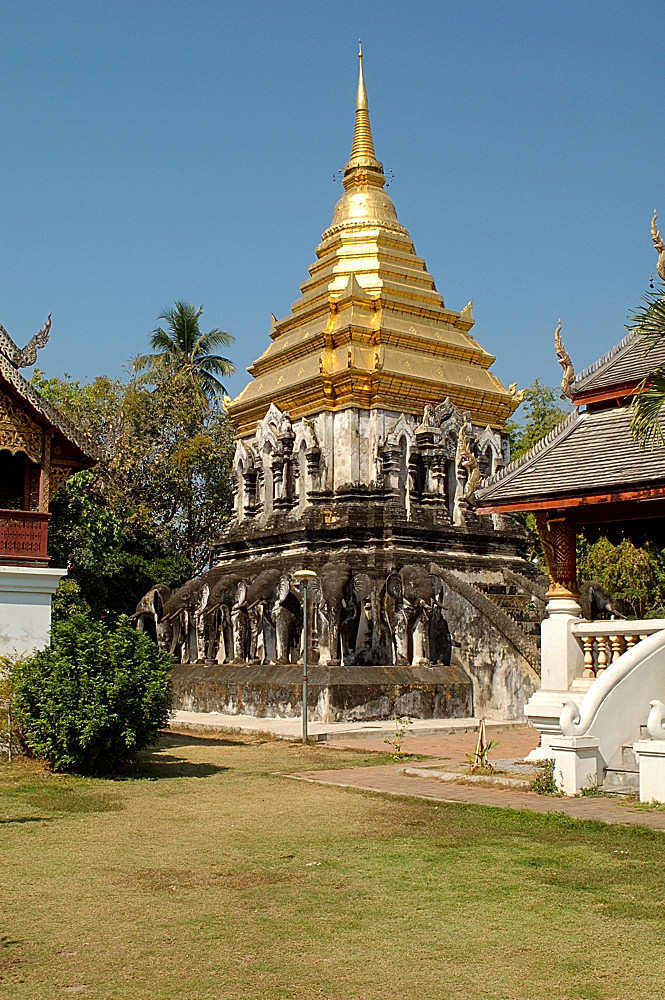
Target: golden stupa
(370, 330)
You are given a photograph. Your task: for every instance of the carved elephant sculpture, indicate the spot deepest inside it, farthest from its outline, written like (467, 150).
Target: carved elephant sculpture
(339, 611)
(149, 615)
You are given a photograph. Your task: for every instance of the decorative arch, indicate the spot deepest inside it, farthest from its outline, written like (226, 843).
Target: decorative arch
(490, 453)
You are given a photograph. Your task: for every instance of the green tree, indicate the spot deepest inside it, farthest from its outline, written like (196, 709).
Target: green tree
(633, 575)
(649, 321)
(183, 351)
(158, 498)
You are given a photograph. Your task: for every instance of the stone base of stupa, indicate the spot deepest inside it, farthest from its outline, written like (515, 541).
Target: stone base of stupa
(336, 694)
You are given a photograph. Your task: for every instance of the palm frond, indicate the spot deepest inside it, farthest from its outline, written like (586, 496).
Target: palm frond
(646, 407)
(649, 319)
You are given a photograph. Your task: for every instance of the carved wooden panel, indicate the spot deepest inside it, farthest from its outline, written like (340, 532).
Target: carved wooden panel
(18, 431)
(59, 476)
(23, 535)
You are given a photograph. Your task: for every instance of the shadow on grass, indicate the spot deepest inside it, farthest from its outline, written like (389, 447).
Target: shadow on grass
(169, 738)
(161, 765)
(4, 943)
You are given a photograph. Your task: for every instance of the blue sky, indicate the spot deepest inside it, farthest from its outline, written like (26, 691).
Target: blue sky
(154, 151)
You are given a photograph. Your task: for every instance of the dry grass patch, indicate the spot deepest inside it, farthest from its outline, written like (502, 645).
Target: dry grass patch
(212, 876)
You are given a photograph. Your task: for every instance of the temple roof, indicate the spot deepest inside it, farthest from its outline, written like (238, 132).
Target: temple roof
(591, 451)
(80, 449)
(622, 367)
(370, 328)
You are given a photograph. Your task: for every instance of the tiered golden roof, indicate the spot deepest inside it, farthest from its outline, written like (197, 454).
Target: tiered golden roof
(370, 329)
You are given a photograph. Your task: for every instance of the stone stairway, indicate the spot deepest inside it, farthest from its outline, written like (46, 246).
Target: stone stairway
(623, 777)
(518, 604)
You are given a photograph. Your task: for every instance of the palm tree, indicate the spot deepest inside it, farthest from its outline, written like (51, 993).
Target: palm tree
(181, 349)
(650, 322)
(647, 404)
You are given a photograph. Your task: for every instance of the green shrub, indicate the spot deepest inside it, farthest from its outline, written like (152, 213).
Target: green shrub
(95, 698)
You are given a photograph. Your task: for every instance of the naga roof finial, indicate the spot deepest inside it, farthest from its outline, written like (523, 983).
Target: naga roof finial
(26, 356)
(563, 357)
(659, 245)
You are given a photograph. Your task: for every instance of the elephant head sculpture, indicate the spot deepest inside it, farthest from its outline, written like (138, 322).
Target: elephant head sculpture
(339, 610)
(149, 615)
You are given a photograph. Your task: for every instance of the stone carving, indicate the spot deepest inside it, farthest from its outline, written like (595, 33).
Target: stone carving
(361, 618)
(469, 463)
(563, 357)
(339, 610)
(659, 245)
(149, 615)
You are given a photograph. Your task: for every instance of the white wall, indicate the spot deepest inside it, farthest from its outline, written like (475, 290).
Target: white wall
(25, 607)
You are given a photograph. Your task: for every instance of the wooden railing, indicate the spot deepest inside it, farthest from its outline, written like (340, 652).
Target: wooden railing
(604, 642)
(23, 536)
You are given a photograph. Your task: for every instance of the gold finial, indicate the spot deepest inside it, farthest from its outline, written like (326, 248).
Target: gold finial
(563, 357)
(362, 147)
(659, 245)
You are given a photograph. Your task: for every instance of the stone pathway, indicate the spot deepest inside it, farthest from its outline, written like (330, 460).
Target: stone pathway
(390, 779)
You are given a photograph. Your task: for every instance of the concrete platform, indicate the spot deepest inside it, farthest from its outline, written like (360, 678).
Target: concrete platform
(290, 729)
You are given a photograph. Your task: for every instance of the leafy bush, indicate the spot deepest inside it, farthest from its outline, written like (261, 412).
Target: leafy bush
(634, 575)
(545, 782)
(68, 600)
(95, 698)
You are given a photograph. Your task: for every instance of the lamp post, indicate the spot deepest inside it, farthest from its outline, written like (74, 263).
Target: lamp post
(304, 577)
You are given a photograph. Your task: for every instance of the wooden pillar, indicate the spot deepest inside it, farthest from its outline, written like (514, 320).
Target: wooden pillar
(557, 536)
(45, 474)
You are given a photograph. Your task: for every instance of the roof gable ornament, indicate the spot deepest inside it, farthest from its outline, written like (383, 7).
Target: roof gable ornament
(563, 357)
(26, 356)
(659, 245)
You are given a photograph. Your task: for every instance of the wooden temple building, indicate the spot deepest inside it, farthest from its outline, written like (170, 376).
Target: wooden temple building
(39, 449)
(589, 471)
(602, 683)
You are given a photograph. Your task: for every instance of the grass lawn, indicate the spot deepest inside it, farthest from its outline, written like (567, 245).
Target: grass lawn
(211, 875)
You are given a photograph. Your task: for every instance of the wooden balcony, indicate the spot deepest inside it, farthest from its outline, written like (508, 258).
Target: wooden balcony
(23, 536)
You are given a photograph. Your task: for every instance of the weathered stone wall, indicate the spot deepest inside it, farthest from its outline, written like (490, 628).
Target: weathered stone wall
(503, 680)
(340, 694)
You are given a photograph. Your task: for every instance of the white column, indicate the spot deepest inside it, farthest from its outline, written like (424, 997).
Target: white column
(561, 666)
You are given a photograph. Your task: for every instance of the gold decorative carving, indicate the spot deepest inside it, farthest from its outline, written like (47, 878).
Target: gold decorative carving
(557, 536)
(59, 476)
(659, 245)
(517, 394)
(18, 432)
(563, 357)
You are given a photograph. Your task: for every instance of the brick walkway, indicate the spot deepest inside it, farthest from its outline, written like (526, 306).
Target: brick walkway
(389, 780)
(513, 742)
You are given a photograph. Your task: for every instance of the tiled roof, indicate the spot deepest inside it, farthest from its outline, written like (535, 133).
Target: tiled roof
(632, 359)
(589, 451)
(11, 375)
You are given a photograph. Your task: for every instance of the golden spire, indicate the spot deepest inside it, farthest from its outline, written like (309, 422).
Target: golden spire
(362, 147)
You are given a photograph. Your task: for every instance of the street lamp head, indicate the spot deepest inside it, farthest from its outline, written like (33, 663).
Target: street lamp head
(304, 575)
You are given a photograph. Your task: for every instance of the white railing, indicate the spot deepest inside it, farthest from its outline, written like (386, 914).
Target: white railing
(616, 704)
(604, 642)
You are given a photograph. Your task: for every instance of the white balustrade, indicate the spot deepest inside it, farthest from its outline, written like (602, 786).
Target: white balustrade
(603, 642)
